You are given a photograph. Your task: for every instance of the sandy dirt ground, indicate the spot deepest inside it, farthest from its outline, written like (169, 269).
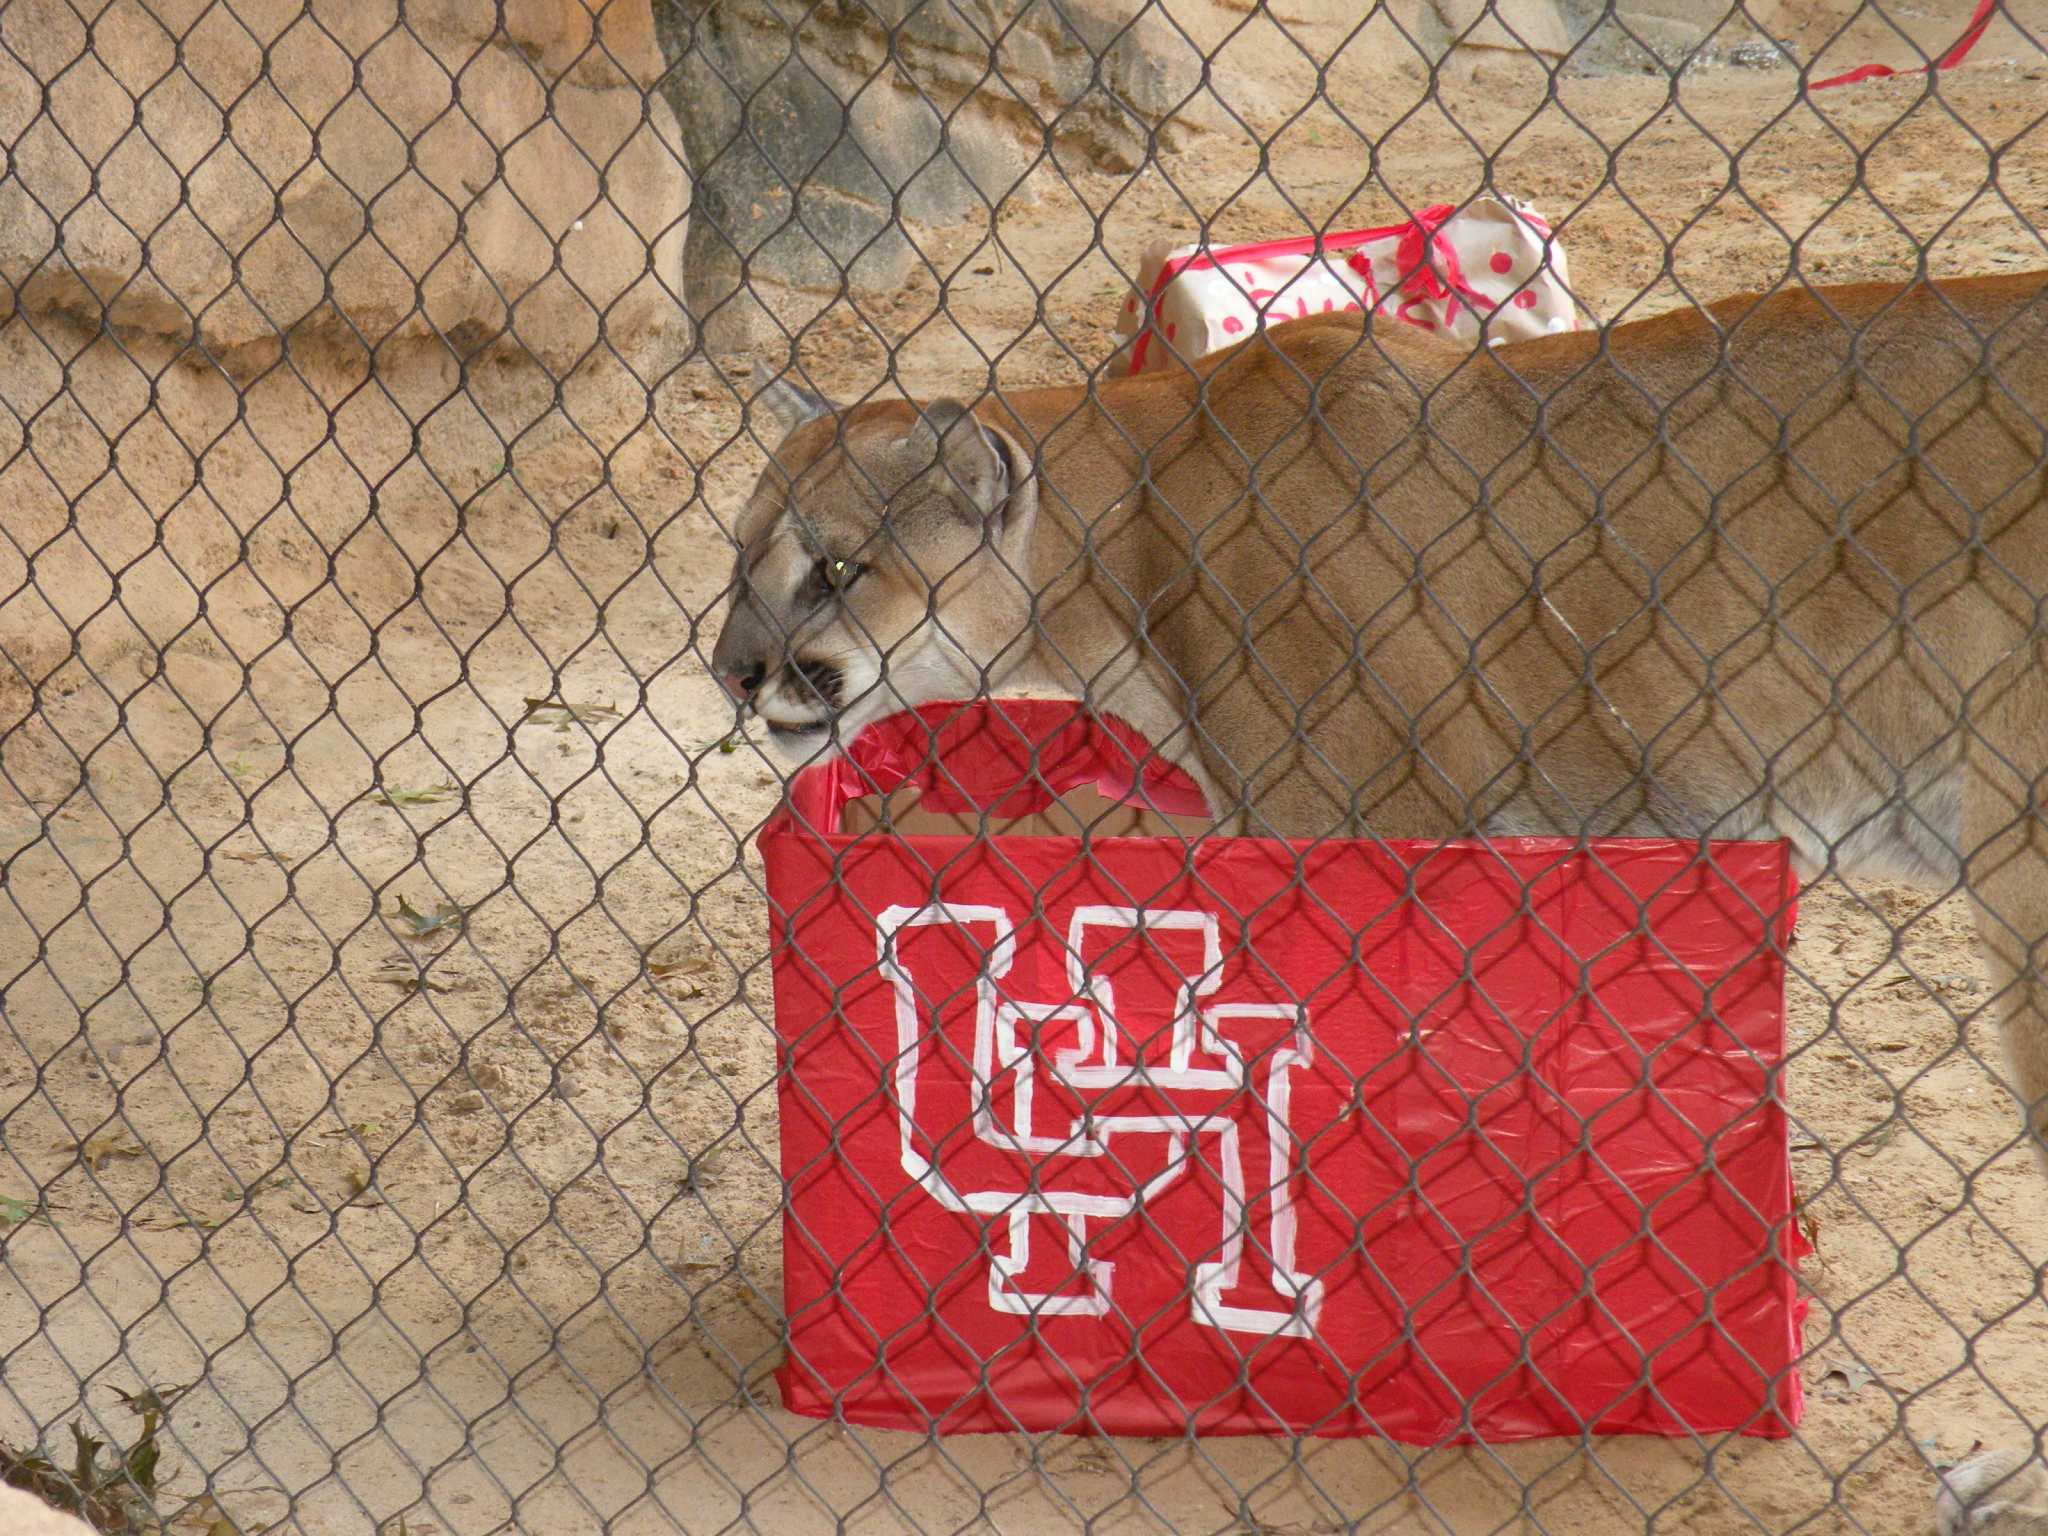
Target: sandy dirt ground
(477, 1226)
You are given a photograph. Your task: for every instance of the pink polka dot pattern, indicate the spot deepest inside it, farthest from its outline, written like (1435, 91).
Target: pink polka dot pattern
(1448, 271)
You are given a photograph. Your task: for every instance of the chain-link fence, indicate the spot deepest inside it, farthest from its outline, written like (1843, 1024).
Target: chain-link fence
(401, 1129)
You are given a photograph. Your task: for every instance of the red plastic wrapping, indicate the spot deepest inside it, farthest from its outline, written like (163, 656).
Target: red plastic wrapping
(1432, 1141)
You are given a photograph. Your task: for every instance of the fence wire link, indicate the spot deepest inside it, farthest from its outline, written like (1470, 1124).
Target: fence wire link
(391, 1095)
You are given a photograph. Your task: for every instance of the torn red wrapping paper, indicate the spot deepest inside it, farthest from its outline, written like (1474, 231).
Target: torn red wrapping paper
(1437, 1142)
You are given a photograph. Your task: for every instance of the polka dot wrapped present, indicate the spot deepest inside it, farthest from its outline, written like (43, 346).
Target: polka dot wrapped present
(1491, 270)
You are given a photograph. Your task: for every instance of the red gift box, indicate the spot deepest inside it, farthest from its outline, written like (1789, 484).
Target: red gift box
(1477, 1140)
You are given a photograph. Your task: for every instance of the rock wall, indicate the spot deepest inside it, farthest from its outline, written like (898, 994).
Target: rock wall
(396, 168)
(1649, 35)
(935, 108)
(519, 174)
(1595, 36)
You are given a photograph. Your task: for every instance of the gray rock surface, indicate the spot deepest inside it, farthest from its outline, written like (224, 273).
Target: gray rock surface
(810, 131)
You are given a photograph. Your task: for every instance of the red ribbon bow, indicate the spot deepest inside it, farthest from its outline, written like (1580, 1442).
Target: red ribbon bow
(1426, 265)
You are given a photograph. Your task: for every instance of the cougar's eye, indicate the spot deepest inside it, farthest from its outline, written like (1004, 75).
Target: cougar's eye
(837, 575)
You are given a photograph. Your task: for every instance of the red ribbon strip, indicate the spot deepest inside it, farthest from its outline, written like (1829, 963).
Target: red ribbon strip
(1985, 10)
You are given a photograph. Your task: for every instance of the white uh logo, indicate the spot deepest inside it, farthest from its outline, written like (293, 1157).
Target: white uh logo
(1048, 1162)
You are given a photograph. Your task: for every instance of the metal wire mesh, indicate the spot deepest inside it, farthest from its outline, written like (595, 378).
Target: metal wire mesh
(391, 1070)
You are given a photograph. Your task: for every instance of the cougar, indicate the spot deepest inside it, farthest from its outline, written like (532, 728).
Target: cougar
(1774, 568)
(1993, 1493)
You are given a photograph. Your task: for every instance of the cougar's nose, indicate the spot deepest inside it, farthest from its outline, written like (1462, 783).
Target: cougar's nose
(747, 649)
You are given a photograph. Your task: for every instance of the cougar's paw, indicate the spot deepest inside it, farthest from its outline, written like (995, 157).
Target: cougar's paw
(1994, 1493)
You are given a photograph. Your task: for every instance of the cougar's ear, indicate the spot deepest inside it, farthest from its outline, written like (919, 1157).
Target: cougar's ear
(786, 405)
(971, 463)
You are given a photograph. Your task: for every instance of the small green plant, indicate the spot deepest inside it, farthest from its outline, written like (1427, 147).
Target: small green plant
(15, 1212)
(243, 765)
(728, 744)
(207, 987)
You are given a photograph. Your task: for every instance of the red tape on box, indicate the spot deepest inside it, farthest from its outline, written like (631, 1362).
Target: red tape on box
(1437, 1142)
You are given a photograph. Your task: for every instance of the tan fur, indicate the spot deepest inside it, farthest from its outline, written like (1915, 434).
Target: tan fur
(1702, 576)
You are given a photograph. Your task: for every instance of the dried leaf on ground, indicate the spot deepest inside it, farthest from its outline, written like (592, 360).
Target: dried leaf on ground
(683, 971)
(97, 1151)
(561, 714)
(409, 978)
(398, 798)
(444, 919)
(1843, 1379)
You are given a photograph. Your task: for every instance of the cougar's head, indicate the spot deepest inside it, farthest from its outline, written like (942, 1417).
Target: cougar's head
(881, 563)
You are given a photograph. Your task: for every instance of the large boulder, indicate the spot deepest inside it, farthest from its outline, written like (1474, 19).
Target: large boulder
(892, 110)
(1592, 36)
(1656, 35)
(499, 174)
